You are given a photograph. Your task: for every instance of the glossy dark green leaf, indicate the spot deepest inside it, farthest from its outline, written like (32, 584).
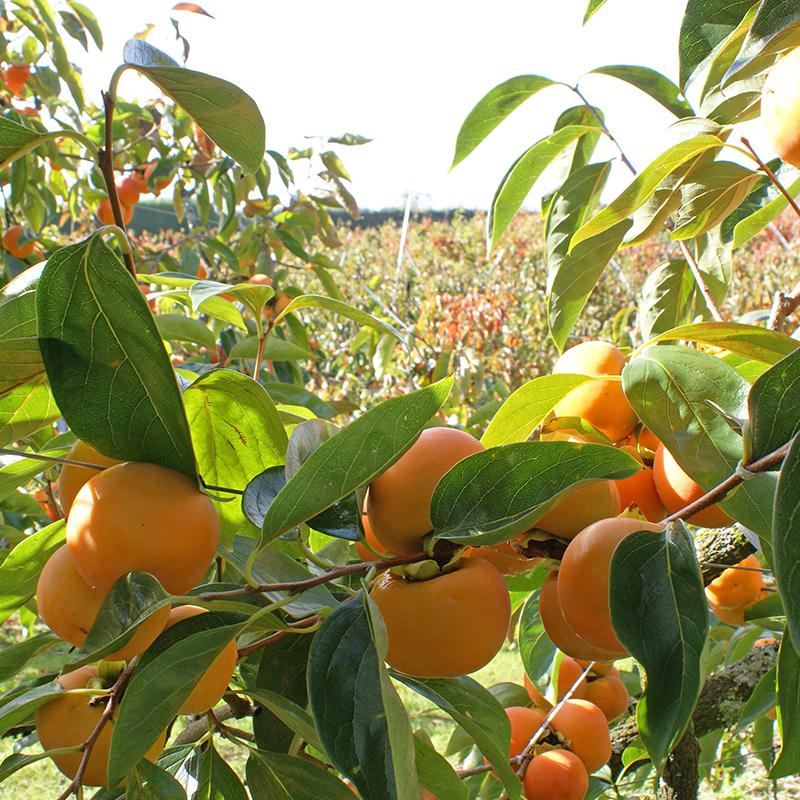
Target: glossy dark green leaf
(435, 772)
(106, 362)
(282, 670)
(290, 394)
(20, 359)
(499, 493)
(149, 782)
(20, 571)
(287, 719)
(671, 387)
(218, 779)
(774, 416)
(705, 25)
(535, 648)
(750, 341)
(229, 116)
(20, 706)
(353, 458)
(645, 183)
(237, 433)
(277, 776)
(652, 83)
(15, 657)
(569, 287)
(660, 615)
(166, 674)
(760, 701)
(260, 493)
(523, 173)
(359, 716)
(26, 409)
(525, 408)
(492, 109)
(670, 297)
(477, 711)
(272, 566)
(131, 599)
(274, 349)
(788, 688)
(786, 537)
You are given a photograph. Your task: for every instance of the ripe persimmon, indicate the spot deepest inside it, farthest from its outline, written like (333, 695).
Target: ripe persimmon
(677, 490)
(609, 694)
(525, 722)
(555, 775)
(73, 477)
(159, 184)
(68, 606)
(737, 586)
(10, 239)
(601, 403)
(214, 682)
(560, 632)
(68, 720)
(580, 509)
(583, 582)
(128, 191)
(399, 500)
(583, 729)
(780, 108)
(105, 214)
(142, 517)
(14, 78)
(639, 490)
(446, 626)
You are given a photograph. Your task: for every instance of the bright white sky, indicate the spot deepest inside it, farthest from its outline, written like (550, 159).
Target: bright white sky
(406, 74)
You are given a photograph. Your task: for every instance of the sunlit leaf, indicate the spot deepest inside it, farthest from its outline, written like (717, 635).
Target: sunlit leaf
(652, 83)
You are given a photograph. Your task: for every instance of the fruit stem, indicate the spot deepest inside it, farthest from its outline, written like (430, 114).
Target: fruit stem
(772, 176)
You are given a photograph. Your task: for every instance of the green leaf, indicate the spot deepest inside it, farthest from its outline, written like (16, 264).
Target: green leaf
(272, 566)
(21, 706)
(276, 776)
(164, 678)
(180, 328)
(491, 496)
(652, 83)
(750, 341)
(26, 409)
(435, 772)
(710, 195)
(344, 310)
(788, 685)
(282, 676)
(492, 109)
(760, 701)
(646, 182)
(131, 599)
(774, 417)
(150, 782)
(275, 349)
(20, 360)
(786, 537)
(367, 447)
(15, 657)
(525, 408)
(671, 388)
(592, 8)
(705, 25)
(670, 297)
(359, 716)
(19, 573)
(106, 362)
(89, 22)
(660, 615)
(14, 138)
(229, 116)
(569, 288)
(536, 650)
(523, 173)
(477, 711)
(766, 206)
(237, 434)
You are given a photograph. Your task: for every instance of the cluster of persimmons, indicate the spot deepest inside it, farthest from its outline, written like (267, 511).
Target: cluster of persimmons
(427, 609)
(128, 517)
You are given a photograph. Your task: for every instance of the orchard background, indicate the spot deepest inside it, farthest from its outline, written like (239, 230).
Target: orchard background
(281, 359)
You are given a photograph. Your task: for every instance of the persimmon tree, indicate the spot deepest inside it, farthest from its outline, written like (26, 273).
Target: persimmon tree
(203, 376)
